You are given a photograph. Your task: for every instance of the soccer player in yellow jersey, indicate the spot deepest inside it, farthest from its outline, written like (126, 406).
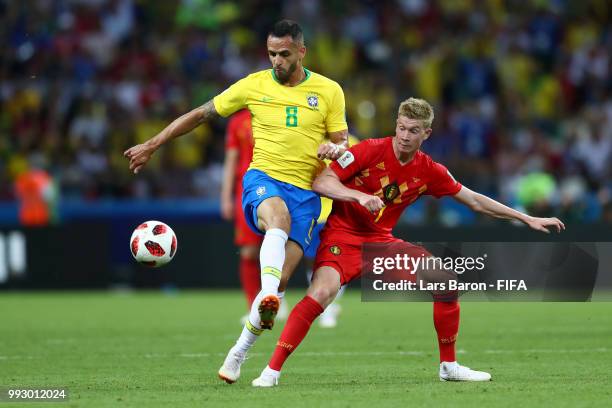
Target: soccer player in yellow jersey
(293, 112)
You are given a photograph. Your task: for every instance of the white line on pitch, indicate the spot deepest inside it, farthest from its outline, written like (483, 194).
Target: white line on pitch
(396, 353)
(350, 353)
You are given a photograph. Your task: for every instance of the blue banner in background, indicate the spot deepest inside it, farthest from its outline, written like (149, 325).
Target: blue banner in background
(105, 210)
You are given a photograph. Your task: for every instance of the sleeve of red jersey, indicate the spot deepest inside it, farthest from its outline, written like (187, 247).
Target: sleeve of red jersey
(351, 162)
(442, 182)
(231, 141)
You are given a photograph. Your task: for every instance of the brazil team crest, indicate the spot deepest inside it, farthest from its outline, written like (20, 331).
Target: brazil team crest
(391, 191)
(313, 101)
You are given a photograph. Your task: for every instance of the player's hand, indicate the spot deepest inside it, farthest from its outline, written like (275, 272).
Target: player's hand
(542, 224)
(330, 151)
(371, 203)
(139, 155)
(227, 209)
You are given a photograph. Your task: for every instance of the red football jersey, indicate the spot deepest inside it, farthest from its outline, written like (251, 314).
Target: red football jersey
(239, 135)
(371, 167)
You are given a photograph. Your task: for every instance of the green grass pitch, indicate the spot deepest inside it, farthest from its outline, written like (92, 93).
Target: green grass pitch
(148, 349)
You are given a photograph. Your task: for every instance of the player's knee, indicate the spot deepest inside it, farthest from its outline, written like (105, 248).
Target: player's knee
(281, 220)
(324, 295)
(273, 213)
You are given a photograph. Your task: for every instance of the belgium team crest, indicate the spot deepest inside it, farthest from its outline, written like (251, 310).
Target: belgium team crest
(391, 191)
(335, 250)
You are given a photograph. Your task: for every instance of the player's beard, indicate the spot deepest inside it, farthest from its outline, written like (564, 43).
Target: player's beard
(283, 76)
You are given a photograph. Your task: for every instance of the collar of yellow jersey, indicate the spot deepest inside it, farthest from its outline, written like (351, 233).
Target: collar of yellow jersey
(306, 72)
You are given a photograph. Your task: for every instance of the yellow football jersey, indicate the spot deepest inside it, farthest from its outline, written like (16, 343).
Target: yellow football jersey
(289, 123)
(326, 203)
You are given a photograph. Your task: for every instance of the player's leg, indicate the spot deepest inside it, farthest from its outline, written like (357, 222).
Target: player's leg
(446, 321)
(267, 203)
(446, 312)
(263, 311)
(259, 188)
(329, 317)
(249, 242)
(273, 217)
(304, 207)
(249, 271)
(267, 306)
(253, 328)
(320, 294)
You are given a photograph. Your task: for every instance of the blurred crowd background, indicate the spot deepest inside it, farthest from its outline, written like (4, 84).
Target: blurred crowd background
(522, 91)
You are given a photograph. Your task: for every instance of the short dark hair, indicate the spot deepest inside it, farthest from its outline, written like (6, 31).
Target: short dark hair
(287, 27)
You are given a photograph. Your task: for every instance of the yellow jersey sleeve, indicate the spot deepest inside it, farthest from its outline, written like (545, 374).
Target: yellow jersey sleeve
(336, 117)
(233, 98)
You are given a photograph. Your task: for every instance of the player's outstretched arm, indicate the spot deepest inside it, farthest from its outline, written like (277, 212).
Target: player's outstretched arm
(140, 154)
(335, 147)
(329, 185)
(485, 205)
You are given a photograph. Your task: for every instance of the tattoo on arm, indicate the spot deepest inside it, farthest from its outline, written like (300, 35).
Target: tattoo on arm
(208, 112)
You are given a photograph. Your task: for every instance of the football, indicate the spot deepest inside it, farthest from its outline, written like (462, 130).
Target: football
(153, 243)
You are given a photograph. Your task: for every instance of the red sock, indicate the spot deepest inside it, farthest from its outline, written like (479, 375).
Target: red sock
(249, 278)
(446, 322)
(296, 328)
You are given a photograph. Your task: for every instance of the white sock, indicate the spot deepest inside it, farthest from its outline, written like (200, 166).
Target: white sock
(246, 340)
(270, 372)
(281, 296)
(450, 364)
(252, 328)
(272, 258)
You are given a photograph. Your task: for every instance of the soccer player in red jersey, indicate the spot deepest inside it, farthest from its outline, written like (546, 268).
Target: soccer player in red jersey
(238, 154)
(371, 184)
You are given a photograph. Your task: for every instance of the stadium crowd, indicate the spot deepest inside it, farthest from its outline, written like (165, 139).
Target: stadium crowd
(522, 90)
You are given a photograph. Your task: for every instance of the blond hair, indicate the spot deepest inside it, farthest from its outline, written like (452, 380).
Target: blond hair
(419, 109)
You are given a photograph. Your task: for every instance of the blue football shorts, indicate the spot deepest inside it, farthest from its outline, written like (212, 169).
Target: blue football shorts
(311, 252)
(304, 205)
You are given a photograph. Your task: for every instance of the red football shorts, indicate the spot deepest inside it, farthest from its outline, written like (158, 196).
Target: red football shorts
(243, 235)
(348, 259)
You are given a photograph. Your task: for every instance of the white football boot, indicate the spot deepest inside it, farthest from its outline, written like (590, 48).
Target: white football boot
(267, 378)
(452, 371)
(230, 370)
